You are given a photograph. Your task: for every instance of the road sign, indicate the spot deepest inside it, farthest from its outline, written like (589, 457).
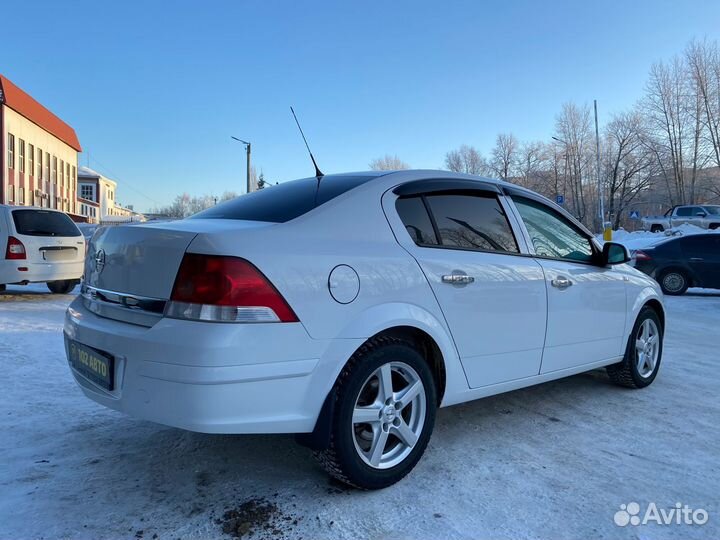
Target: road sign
(560, 199)
(634, 214)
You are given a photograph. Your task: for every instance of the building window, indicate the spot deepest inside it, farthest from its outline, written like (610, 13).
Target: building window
(67, 172)
(11, 194)
(47, 169)
(11, 151)
(74, 177)
(53, 175)
(21, 155)
(21, 195)
(87, 192)
(39, 164)
(31, 159)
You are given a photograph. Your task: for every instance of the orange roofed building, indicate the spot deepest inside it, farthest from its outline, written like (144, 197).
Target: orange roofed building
(38, 153)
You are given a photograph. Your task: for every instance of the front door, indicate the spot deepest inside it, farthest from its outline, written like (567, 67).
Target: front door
(493, 298)
(702, 252)
(586, 302)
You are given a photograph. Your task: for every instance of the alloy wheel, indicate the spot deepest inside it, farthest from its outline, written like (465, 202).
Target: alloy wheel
(389, 415)
(647, 348)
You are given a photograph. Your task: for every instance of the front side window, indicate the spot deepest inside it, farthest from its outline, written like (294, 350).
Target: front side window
(552, 235)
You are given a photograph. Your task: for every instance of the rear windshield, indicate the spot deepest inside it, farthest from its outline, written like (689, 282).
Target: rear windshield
(44, 223)
(286, 201)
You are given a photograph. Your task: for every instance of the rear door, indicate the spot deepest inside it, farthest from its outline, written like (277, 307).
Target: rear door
(48, 236)
(702, 252)
(493, 298)
(586, 302)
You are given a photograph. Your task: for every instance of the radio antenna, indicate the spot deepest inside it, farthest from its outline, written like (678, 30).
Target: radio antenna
(318, 173)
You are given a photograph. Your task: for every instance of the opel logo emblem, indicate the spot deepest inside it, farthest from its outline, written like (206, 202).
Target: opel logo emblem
(99, 260)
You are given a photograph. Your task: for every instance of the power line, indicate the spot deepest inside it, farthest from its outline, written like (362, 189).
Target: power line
(116, 177)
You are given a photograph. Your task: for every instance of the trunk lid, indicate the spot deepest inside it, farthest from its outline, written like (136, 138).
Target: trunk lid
(130, 270)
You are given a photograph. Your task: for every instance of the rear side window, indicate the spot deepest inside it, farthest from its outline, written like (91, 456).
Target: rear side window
(472, 222)
(286, 201)
(44, 223)
(417, 222)
(701, 245)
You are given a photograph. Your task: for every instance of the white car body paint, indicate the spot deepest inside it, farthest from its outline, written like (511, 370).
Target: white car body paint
(274, 377)
(48, 258)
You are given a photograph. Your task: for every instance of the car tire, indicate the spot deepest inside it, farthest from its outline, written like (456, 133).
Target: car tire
(639, 368)
(657, 228)
(2, 288)
(403, 428)
(62, 287)
(714, 226)
(674, 282)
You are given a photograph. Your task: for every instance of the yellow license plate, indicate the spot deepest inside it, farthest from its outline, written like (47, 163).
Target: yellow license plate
(98, 366)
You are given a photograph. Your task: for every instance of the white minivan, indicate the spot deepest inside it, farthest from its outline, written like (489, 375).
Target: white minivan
(41, 246)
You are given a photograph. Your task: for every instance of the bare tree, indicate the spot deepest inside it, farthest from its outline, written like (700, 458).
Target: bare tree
(504, 155)
(703, 63)
(574, 134)
(532, 163)
(466, 159)
(388, 163)
(628, 163)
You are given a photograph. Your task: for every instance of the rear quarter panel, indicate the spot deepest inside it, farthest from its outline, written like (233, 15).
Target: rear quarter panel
(298, 257)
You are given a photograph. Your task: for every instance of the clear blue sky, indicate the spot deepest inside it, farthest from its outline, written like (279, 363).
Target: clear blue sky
(155, 92)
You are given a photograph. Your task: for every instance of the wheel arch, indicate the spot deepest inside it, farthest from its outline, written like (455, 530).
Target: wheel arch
(409, 323)
(657, 306)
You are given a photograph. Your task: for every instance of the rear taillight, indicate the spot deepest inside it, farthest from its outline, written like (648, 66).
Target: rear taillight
(641, 255)
(225, 289)
(15, 249)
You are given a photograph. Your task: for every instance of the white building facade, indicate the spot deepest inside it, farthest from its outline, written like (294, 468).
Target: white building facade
(96, 199)
(38, 153)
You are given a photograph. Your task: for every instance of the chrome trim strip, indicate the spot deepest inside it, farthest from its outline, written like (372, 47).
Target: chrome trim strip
(124, 300)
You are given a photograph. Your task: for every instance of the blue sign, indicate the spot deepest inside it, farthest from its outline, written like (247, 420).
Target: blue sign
(634, 214)
(560, 199)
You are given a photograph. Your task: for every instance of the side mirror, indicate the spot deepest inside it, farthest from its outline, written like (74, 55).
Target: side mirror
(701, 214)
(614, 253)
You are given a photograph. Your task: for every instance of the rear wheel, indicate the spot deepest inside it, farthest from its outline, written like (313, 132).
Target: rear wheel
(714, 226)
(674, 282)
(62, 287)
(657, 228)
(642, 354)
(384, 415)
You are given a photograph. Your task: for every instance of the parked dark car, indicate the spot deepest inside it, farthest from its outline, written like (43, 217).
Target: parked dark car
(682, 262)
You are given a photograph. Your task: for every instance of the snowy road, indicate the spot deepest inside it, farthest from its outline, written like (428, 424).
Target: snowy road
(554, 461)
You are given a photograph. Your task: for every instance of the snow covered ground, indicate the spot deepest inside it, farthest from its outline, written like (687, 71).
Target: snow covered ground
(555, 461)
(640, 239)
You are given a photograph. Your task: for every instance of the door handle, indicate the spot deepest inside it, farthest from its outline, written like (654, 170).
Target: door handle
(696, 259)
(457, 279)
(561, 282)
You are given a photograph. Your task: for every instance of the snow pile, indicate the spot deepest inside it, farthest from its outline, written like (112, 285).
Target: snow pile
(641, 239)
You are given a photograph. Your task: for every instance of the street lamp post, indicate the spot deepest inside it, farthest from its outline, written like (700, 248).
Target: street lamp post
(247, 150)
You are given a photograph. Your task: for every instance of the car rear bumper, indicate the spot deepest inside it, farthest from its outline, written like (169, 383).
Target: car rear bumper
(23, 271)
(207, 377)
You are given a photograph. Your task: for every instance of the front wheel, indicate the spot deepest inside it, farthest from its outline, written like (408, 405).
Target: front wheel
(657, 228)
(642, 354)
(384, 415)
(62, 287)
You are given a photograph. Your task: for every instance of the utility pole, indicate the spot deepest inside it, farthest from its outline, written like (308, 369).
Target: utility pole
(248, 186)
(597, 151)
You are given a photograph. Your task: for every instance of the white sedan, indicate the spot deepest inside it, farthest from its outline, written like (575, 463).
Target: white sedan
(348, 308)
